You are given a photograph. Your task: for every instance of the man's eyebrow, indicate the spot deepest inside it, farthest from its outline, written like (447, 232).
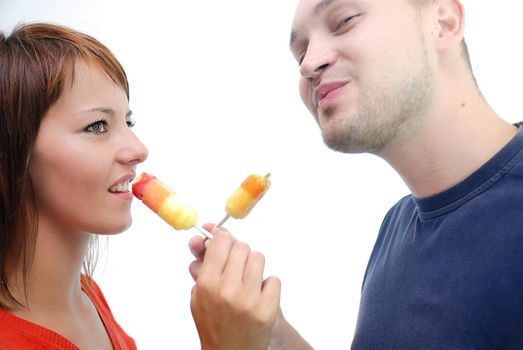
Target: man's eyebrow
(109, 111)
(293, 39)
(320, 7)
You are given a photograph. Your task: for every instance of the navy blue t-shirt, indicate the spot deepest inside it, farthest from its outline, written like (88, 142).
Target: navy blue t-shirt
(446, 271)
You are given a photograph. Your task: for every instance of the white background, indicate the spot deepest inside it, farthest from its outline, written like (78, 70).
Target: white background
(214, 92)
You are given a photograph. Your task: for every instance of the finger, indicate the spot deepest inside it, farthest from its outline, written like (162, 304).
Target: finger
(271, 294)
(197, 247)
(216, 254)
(234, 270)
(210, 227)
(253, 275)
(213, 230)
(194, 269)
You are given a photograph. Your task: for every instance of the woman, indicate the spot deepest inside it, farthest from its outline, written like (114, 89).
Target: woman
(67, 156)
(66, 159)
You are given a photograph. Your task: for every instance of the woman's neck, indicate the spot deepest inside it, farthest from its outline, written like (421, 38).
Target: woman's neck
(52, 281)
(52, 295)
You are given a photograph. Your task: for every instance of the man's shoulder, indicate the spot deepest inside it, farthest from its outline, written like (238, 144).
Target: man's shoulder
(404, 206)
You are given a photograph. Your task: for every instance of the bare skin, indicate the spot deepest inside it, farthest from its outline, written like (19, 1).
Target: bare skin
(83, 148)
(233, 307)
(389, 78)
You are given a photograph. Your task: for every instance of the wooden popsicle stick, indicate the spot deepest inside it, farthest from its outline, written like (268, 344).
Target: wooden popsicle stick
(204, 232)
(226, 217)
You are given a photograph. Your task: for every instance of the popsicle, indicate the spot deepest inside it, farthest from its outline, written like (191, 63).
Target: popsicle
(166, 203)
(245, 197)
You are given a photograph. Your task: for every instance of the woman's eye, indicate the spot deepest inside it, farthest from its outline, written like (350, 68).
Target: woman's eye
(98, 127)
(130, 123)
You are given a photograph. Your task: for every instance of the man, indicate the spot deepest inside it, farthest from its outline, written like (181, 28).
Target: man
(393, 78)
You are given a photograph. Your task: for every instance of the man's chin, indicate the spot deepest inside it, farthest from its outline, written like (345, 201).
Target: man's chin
(334, 142)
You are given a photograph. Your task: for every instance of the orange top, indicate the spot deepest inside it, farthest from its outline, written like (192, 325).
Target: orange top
(17, 333)
(255, 185)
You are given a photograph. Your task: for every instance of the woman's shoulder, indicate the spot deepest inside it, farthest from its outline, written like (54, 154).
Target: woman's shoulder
(93, 291)
(120, 339)
(17, 333)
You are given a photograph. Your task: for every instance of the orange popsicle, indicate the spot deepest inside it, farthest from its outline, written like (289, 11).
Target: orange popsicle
(165, 202)
(245, 197)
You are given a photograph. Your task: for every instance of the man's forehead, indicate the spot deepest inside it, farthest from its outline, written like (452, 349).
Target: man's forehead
(305, 10)
(311, 7)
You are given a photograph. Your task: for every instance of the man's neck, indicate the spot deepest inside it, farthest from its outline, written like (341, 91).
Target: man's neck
(456, 140)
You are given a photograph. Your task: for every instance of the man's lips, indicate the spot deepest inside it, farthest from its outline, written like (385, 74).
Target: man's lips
(323, 91)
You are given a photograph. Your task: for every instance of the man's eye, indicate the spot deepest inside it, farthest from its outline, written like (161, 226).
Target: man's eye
(344, 22)
(98, 127)
(300, 57)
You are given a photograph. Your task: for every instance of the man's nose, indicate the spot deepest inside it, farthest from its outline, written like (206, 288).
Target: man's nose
(317, 59)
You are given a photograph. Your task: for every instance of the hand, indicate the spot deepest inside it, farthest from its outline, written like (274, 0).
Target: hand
(233, 307)
(197, 245)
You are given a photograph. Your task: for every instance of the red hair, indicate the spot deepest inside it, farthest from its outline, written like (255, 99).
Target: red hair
(36, 62)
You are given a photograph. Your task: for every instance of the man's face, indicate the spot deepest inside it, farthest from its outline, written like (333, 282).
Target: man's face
(365, 71)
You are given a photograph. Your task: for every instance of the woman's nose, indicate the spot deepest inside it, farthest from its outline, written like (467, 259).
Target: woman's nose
(134, 151)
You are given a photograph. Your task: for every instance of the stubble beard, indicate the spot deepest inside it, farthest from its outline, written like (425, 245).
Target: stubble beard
(384, 114)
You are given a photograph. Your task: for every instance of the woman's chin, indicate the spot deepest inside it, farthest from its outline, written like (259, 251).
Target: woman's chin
(113, 229)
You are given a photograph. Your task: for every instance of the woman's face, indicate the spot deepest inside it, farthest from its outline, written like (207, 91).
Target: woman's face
(85, 155)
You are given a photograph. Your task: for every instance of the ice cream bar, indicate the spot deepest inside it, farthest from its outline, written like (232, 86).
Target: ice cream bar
(245, 197)
(165, 202)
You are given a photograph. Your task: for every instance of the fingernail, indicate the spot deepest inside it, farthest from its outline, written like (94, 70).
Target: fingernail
(196, 269)
(190, 243)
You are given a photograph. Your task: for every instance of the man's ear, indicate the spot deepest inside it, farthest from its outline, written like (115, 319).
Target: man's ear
(450, 18)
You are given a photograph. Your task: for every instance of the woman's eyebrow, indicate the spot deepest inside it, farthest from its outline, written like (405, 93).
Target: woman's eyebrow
(107, 110)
